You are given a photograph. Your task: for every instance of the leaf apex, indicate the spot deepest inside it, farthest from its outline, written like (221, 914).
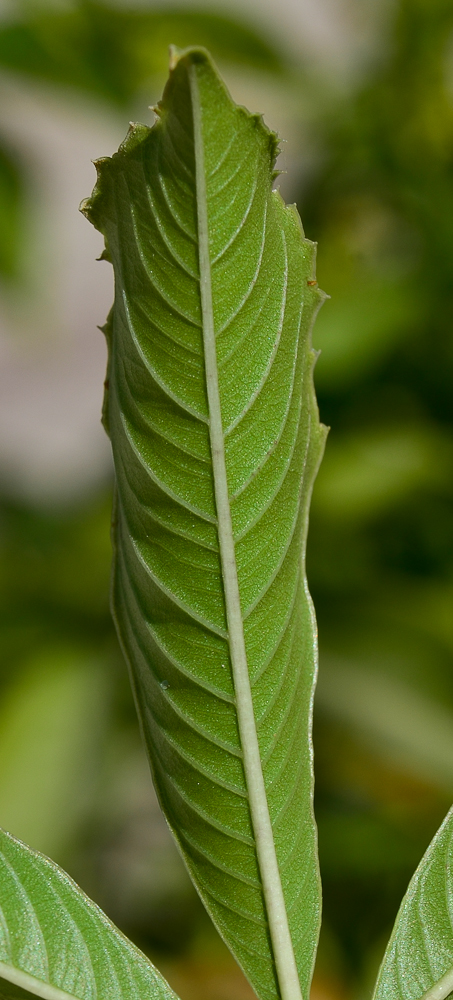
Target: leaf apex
(195, 53)
(173, 57)
(192, 55)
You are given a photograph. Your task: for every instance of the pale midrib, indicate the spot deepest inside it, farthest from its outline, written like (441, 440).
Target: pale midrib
(33, 985)
(441, 989)
(284, 957)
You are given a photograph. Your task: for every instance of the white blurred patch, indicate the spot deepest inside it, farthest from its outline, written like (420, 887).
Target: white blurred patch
(52, 357)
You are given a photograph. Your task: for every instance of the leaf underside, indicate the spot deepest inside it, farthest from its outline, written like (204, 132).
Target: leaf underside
(216, 441)
(55, 943)
(420, 951)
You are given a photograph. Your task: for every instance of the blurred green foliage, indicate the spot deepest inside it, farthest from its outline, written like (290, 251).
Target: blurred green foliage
(114, 53)
(12, 211)
(380, 204)
(381, 541)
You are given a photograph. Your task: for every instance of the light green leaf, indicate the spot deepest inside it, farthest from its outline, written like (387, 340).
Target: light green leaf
(51, 722)
(363, 322)
(366, 472)
(55, 943)
(216, 440)
(418, 962)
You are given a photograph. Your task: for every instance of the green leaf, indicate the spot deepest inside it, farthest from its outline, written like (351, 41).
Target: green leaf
(418, 962)
(216, 440)
(57, 944)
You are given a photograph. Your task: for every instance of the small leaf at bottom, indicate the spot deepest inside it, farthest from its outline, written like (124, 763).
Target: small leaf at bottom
(55, 943)
(419, 958)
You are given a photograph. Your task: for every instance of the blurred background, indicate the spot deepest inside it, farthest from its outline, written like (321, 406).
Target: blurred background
(362, 93)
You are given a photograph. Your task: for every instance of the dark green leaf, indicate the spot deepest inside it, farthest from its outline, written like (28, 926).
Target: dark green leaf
(216, 439)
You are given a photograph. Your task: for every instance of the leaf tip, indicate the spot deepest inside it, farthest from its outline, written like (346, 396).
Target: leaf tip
(174, 55)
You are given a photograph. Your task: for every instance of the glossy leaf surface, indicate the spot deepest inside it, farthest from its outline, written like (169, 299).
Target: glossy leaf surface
(57, 944)
(216, 440)
(419, 957)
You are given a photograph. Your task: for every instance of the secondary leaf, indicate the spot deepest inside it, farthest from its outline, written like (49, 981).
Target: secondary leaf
(57, 944)
(418, 962)
(216, 440)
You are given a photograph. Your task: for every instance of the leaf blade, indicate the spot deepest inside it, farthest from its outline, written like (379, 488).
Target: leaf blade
(418, 961)
(210, 546)
(56, 943)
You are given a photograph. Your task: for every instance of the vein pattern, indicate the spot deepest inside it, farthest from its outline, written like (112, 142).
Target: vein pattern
(216, 440)
(57, 944)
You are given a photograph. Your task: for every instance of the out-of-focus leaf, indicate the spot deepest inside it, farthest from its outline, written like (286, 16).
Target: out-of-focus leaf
(368, 256)
(430, 603)
(50, 722)
(359, 326)
(368, 471)
(113, 52)
(216, 439)
(43, 563)
(400, 723)
(357, 844)
(418, 962)
(56, 944)
(11, 213)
